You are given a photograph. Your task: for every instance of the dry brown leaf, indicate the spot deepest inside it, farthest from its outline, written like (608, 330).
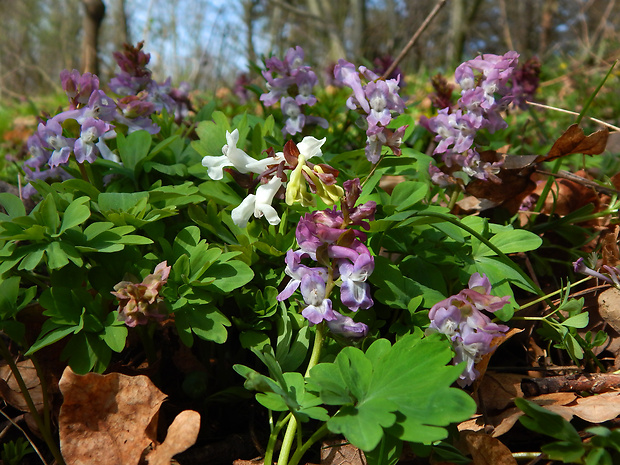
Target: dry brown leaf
(609, 307)
(337, 452)
(595, 409)
(575, 141)
(487, 450)
(481, 366)
(9, 389)
(182, 434)
(107, 420)
(506, 420)
(498, 390)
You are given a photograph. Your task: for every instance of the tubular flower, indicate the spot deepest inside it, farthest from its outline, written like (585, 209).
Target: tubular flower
(140, 302)
(459, 317)
(327, 238)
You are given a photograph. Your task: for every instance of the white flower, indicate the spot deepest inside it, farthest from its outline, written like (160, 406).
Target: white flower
(232, 156)
(258, 204)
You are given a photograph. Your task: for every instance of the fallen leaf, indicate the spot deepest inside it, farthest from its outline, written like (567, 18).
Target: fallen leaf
(182, 434)
(481, 366)
(107, 419)
(574, 140)
(487, 450)
(595, 409)
(337, 452)
(12, 394)
(504, 422)
(498, 390)
(609, 307)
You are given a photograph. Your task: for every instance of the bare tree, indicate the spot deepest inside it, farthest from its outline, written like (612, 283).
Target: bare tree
(95, 11)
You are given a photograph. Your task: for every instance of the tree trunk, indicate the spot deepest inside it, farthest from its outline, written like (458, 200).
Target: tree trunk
(94, 13)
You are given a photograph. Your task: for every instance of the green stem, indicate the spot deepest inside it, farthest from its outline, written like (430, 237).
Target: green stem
(45, 432)
(299, 453)
(289, 435)
(490, 245)
(453, 198)
(545, 297)
(273, 437)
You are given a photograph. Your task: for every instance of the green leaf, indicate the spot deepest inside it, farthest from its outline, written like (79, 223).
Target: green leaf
(133, 148)
(122, 201)
(230, 275)
(75, 214)
(56, 256)
(13, 205)
(206, 322)
(545, 422)
(402, 390)
(578, 321)
(408, 193)
(519, 240)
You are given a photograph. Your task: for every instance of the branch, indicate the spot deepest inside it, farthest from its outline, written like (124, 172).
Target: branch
(414, 38)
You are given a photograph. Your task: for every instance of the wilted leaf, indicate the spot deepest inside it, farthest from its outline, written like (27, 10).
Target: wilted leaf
(514, 187)
(182, 434)
(106, 419)
(487, 450)
(575, 141)
(609, 307)
(9, 389)
(337, 452)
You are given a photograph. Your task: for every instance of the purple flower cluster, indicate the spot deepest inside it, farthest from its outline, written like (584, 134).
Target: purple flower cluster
(327, 238)
(293, 89)
(93, 111)
(612, 277)
(484, 94)
(378, 99)
(142, 94)
(460, 318)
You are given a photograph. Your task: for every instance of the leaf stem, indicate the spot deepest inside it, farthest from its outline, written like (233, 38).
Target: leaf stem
(299, 453)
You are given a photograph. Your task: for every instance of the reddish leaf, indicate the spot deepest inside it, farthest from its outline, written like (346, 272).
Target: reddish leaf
(575, 141)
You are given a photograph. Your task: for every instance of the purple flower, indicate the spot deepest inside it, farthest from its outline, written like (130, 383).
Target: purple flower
(379, 99)
(62, 147)
(346, 327)
(354, 291)
(580, 267)
(460, 318)
(318, 308)
(93, 130)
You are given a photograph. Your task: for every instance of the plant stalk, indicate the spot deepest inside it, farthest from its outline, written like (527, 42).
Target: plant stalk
(46, 433)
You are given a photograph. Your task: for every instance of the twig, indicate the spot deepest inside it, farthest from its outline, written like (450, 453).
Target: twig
(594, 383)
(578, 179)
(562, 110)
(414, 38)
(24, 433)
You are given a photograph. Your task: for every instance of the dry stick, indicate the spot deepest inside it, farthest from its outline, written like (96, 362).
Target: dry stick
(562, 110)
(594, 383)
(32, 444)
(414, 38)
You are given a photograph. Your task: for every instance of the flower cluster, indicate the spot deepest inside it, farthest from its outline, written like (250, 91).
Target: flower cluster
(93, 111)
(327, 238)
(99, 116)
(525, 81)
(273, 180)
(378, 99)
(140, 302)
(460, 318)
(293, 89)
(612, 277)
(484, 94)
(142, 95)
